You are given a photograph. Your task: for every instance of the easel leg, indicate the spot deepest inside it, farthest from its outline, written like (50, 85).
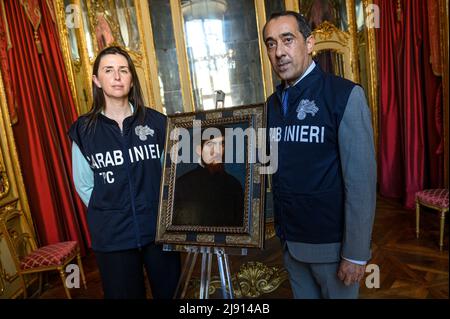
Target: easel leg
(189, 275)
(227, 270)
(183, 274)
(204, 279)
(219, 252)
(208, 278)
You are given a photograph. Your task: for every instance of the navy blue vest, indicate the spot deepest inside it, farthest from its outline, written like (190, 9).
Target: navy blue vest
(123, 207)
(308, 186)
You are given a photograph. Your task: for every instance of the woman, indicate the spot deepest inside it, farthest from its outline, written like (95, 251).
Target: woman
(116, 154)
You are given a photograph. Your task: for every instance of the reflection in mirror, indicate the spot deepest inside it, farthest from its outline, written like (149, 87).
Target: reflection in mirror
(115, 23)
(106, 30)
(317, 11)
(330, 61)
(72, 38)
(74, 53)
(166, 56)
(359, 14)
(87, 29)
(103, 32)
(126, 15)
(223, 51)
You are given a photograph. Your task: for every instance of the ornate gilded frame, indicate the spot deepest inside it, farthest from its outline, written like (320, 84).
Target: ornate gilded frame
(251, 234)
(329, 37)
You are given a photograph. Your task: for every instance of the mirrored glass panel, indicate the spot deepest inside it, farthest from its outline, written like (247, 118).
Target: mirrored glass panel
(223, 52)
(87, 29)
(273, 6)
(330, 61)
(105, 25)
(317, 11)
(71, 34)
(359, 15)
(126, 16)
(166, 55)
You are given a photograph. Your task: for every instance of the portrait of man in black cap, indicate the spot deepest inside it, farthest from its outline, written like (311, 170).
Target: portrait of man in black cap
(208, 195)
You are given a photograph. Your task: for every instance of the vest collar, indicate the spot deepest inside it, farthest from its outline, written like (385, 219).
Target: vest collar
(126, 122)
(296, 90)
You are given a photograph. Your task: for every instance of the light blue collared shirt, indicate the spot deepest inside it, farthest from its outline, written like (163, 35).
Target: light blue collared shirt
(308, 71)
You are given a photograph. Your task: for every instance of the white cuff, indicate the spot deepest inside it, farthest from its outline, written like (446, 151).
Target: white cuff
(358, 262)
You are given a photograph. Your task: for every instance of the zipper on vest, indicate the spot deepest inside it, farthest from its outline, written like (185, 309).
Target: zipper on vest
(133, 206)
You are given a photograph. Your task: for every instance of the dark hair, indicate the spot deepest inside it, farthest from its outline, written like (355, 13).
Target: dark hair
(303, 25)
(134, 96)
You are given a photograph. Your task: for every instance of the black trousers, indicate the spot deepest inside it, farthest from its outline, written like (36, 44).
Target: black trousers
(122, 272)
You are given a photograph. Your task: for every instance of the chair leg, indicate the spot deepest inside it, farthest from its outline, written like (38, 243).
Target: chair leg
(441, 235)
(417, 218)
(80, 265)
(40, 283)
(63, 278)
(24, 285)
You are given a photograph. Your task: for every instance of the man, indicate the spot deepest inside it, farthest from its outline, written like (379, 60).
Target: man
(208, 195)
(325, 186)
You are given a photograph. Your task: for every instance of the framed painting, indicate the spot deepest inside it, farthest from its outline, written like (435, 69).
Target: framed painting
(212, 189)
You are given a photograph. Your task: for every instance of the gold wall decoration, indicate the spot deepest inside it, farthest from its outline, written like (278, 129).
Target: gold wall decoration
(2, 283)
(104, 14)
(4, 183)
(100, 24)
(372, 75)
(13, 197)
(253, 280)
(350, 4)
(331, 39)
(292, 5)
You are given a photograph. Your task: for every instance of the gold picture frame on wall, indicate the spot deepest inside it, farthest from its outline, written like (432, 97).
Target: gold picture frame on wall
(234, 215)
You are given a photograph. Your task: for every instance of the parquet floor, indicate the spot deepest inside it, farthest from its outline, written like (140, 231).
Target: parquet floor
(410, 268)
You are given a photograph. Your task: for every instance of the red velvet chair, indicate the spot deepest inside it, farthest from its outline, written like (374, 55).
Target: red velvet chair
(29, 258)
(435, 199)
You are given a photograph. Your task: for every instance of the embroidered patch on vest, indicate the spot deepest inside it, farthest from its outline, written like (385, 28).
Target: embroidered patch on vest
(306, 106)
(143, 131)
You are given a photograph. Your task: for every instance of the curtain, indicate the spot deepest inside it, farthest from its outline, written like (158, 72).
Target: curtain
(45, 110)
(410, 118)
